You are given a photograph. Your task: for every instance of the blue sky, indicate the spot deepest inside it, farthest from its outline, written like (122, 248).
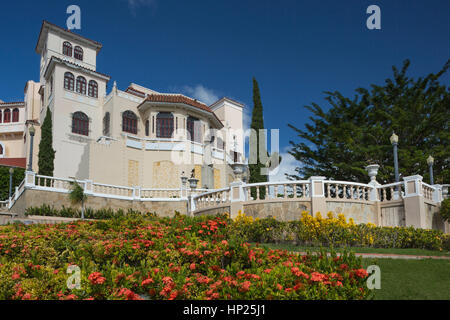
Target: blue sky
(210, 49)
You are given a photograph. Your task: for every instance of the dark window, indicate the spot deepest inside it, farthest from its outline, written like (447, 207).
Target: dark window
(235, 156)
(80, 123)
(69, 80)
(106, 121)
(93, 89)
(7, 116)
(1, 118)
(81, 85)
(78, 53)
(193, 129)
(164, 125)
(129, 122)
(1, 149)
(67, 49)
(147, 128)
(15, 115)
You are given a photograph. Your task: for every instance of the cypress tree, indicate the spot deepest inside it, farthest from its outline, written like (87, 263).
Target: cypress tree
(257, 124)
(46, 154)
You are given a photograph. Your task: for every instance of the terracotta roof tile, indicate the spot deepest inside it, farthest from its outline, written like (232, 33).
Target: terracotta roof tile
(14, 162)
(177, 98)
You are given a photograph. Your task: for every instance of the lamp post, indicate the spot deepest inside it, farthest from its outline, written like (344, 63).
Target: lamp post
(30, 162)
(394, 142)
(11, 171)
(430, 162)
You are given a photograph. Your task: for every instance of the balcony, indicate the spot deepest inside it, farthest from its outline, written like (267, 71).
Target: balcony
(12, 127)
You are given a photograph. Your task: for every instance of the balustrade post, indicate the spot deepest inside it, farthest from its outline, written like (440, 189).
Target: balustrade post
(136, 193)
(437, 193)
(317, 190)
(30, 178)
(237, 198)
(415, 211)
(88, 187)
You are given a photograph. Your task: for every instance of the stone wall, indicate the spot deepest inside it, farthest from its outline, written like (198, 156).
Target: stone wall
(280, 210)
(36, 198)
(359, 212)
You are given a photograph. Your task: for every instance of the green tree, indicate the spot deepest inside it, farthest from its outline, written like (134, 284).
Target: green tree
(18, 176)
(46, 156)
(257, 124)
(354, 132)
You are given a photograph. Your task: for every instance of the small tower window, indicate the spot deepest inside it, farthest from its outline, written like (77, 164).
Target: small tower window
(129, 122)
(106, 121)
(81, 85)
(69, 80)
(78, 53)
(15, 115)
(80, 123)
(67, 49)
(7, 116)
(93, 89)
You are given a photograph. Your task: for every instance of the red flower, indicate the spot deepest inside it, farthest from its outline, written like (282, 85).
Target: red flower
(245, 286)
(15, 276)
(147, 282)
(343, 266)
(192, 266)
(317, 277)
(361, 273)
(96, 278)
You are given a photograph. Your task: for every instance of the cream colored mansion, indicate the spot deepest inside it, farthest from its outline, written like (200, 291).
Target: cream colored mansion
(131, 137)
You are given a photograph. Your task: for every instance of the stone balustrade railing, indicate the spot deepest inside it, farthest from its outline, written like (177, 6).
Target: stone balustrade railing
(428, 191)
(160, 193)
(211, 199)
(391, 192)
(267, 191)
(347, 190)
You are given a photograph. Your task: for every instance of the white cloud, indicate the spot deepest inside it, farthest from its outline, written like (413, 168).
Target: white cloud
(201, 93)
(287, 165)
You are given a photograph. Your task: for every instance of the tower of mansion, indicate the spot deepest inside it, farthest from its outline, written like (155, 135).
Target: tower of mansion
(131, 137)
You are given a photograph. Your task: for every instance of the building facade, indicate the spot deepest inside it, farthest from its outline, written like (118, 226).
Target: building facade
(131, 137)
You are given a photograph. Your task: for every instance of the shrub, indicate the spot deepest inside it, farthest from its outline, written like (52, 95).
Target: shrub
(135, 257)
(336, 232)
(445, 209)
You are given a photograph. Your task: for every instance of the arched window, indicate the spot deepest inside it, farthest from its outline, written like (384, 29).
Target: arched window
(15, 115)
(147, 128)
(106, 121)
(164, 125)
(78, 53)
(67, 49)
(129, 122)
(69, 80)
(81, 85)
(1, 118)
(7, 116)
(193, 129)
(80, 123)
(93, 89)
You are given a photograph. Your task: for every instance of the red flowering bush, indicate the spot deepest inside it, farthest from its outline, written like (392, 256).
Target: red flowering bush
(165, 258)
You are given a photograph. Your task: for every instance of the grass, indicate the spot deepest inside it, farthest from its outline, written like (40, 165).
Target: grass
(408, 251)
(425, 279)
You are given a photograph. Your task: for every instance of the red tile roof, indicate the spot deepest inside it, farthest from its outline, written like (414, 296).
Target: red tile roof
(177, 98)
(14, 162)
(135, 92)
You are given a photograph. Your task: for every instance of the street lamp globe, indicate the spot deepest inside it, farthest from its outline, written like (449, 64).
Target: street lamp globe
(430, 160)
(11, 170)
(32, 130)
(394, 138)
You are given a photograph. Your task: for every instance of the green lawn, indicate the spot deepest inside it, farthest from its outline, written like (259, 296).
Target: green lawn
(425, 279)
(418, 252)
